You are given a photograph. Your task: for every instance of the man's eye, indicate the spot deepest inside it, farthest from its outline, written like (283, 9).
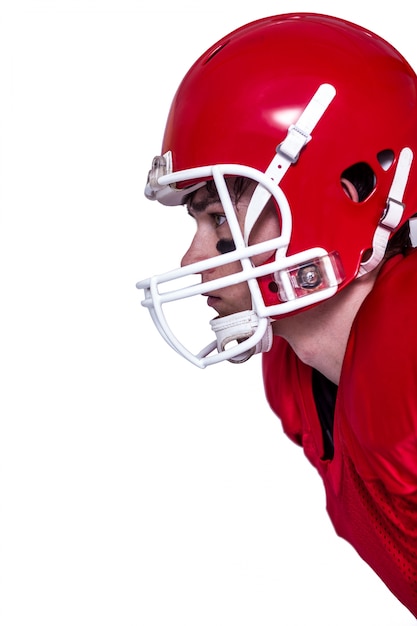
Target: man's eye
(219, 219)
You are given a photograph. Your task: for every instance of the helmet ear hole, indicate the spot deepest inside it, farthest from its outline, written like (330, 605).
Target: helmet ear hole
(366, 255)
(362, 177)
(385, 159)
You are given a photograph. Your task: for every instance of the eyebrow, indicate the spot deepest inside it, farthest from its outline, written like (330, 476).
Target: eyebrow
(201, 205)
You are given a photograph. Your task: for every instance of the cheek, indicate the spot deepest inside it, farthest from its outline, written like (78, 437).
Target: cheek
(233, 291)
(230, 268)
(239, 298)
(265, 229)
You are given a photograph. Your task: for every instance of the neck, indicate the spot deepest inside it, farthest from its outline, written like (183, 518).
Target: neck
(319, 335)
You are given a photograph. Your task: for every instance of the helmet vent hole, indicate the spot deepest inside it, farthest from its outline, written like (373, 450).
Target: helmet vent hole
(385, 159)
(361, 179)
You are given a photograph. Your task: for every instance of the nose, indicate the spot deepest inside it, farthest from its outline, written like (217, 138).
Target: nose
(198, 250)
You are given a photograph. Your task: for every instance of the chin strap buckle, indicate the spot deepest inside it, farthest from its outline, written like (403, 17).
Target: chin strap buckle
(237, 328)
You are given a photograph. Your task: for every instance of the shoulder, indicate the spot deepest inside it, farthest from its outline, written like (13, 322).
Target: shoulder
(377, 399)
(388, 314)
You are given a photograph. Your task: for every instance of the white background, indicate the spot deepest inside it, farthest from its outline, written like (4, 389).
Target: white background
(136, 489)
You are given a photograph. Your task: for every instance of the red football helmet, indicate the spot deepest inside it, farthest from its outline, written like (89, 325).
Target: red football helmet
(291, 101)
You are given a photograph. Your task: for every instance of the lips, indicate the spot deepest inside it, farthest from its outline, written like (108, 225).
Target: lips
(212, 300)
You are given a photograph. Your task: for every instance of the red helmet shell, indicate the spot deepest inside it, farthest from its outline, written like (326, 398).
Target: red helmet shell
(237, 101)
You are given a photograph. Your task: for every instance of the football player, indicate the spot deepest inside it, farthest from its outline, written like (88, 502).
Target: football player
(292, 143)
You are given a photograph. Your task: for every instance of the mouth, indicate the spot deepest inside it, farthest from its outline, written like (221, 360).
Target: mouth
(212, 300)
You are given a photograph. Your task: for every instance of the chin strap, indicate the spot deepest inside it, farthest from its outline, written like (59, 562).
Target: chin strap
(237, 328)
(393, 212)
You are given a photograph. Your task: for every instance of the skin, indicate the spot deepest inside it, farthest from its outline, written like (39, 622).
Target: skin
(318, 335)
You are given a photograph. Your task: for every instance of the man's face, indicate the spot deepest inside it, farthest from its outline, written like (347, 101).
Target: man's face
(213, 237)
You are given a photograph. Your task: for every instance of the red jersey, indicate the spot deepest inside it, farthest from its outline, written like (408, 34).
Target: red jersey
(371, 479)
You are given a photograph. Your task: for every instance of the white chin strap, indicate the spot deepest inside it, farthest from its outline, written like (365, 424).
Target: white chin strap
(238, 327)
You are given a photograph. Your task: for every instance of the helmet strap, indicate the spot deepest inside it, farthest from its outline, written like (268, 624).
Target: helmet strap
(392, 214)
(288, 151)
